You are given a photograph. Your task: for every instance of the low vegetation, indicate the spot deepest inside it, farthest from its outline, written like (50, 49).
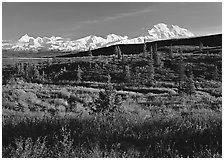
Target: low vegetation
(154, 104)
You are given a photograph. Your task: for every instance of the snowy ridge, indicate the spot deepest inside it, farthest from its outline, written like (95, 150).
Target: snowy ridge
(158, 32)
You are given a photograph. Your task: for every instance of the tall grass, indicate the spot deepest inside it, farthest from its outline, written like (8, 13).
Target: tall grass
(198, 134)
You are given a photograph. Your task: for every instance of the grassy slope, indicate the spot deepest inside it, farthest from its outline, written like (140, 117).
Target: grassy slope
(164, 127)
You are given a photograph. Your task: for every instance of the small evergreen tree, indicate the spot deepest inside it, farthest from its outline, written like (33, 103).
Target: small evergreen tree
(27, 72)
(79, 74)
(215, 73)
(105, 103)
(200, 46)
(190, 86)
(181, 70)
(17, 68)
(171, 51)
(36, 73)
(48, 62)
(64, 69)
(118, 52)
(43, 75)
(54, 60)
(151, 50)
(118, 100)
(151, 72)
(144, 48)
(90, 53)
(207, 53)
(156, 56)
(127, 74)
(108, 78)
(20, 69)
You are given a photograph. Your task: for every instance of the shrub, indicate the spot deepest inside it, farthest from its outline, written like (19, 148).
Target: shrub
(64, 94)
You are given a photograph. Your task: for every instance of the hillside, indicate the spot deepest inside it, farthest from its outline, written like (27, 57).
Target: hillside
(211, 41)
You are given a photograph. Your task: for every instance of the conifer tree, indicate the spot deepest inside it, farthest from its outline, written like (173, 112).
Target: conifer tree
(190, 85)
(36, 73)
(171, 51)
(79, 74)
(151, 50)
(156, 56)
(118, 52)
(127, 74)
(144, 48)
(181, 70)
(108, 78)
(27, 72)
(200, 46)
(215, 73)
(105, 104)
(43, 76)
(90, 53)
(151, 71)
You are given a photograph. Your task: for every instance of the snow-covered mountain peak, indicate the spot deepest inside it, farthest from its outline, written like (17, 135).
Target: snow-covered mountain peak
(113, 37)
(164, 31)
(26, 38)
(157, 32)
(161, 27)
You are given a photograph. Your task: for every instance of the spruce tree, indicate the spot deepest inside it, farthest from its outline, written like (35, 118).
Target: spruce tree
(156, 56)
(105, 103)
(200, 46)
(43, 76)
(108, 78)
(79, 74)
(22, 71)
(190, 88)
(181, 70)
(27, 72)
(215, 73)
(144, 49)
(118, 52)
(171, 51)
(127, 74)
(151, 50)
(151, 71)
(36, 73)
(90, 53)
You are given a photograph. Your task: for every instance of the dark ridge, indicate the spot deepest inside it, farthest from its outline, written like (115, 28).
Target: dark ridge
(210, 40)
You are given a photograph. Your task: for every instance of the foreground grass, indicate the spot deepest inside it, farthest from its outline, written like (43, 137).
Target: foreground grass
(192, 133)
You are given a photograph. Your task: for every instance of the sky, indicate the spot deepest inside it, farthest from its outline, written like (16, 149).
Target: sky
(74, 20)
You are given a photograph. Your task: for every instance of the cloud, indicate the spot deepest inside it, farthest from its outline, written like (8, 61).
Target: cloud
(122, 15)
(89, 21)
(79, 25)
(108, 18)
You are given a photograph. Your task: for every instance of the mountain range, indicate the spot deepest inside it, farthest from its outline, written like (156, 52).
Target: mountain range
(55, 43)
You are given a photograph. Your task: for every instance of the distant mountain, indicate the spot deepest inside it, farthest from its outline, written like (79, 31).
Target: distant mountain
(158, 32)
(163, 31)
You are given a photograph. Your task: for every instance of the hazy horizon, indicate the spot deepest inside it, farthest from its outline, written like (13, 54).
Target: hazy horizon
(76, 19)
